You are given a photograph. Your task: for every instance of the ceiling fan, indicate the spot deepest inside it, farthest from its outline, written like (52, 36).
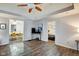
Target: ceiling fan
(34, 5)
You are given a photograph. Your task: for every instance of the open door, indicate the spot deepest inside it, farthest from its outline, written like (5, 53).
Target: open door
(16, 30)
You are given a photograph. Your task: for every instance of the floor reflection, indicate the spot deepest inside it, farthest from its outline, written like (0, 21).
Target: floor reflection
(12, 49)
(35, 48)
(16, 48)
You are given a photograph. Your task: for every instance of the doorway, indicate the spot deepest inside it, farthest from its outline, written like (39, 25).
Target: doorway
(16, 31)
(51, 30)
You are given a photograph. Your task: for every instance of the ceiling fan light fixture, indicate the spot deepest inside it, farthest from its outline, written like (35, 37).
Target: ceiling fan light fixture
(31, 6)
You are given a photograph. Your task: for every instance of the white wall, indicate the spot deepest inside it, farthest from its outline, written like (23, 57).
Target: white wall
(66, 31)
(4, 34)
(45, 30)
(44, 35)
(27, 30)
(28, 25)
(19, 25)
(51, 27)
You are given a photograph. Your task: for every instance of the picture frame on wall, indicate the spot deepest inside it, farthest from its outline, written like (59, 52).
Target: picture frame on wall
(40, 27)
(2, 26)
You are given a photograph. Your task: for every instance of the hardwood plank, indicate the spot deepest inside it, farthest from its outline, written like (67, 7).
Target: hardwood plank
(36, 48)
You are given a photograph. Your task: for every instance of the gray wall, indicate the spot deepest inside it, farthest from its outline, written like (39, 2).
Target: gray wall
(66, 31)
(4, 34)
(28, 26)
(27, 30)
(44, 34)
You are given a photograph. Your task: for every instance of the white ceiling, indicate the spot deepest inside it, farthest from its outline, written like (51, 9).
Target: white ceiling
(74, 11)
(9, 16)
(47, 9)
(64, 14)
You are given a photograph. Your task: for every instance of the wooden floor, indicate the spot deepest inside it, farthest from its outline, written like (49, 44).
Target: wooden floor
(36, 48)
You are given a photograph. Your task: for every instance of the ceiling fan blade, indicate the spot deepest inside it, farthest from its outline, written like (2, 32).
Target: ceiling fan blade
(22, 5)
(30, 10)
(38, 8)
(37, 3)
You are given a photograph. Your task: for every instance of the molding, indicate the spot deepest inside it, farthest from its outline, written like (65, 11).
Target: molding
(11, 13)
(62, 45)
(64, 9)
